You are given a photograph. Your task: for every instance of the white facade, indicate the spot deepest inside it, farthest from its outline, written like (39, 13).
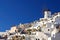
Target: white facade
(47, 14)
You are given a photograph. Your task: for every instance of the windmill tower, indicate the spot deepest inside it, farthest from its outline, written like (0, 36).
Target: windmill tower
(47, 13)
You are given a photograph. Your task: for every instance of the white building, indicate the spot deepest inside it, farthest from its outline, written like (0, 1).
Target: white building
(50, 27)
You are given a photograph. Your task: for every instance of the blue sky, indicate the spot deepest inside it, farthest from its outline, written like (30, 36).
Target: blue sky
(13, 12)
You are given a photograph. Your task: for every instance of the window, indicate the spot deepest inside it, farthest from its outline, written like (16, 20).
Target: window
(36, 39)
(52, 21)
(54, 35)
(48, 29)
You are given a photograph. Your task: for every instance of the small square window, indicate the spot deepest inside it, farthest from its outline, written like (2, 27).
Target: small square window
(48, 29)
